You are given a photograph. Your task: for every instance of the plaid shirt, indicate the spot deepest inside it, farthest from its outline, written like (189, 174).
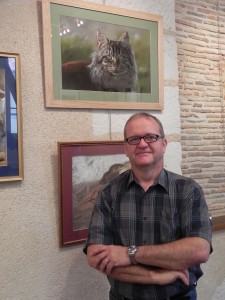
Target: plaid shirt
(124, 214)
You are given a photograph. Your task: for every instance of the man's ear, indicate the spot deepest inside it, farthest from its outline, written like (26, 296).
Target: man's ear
(165, 144)
(125, 149)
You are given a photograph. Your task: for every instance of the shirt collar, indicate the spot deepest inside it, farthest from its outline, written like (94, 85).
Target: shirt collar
(162, 179)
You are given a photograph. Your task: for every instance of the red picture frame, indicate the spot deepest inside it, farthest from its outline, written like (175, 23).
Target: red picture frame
(84, 167)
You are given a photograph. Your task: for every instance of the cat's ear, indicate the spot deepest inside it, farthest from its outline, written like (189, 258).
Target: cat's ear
(101, 39)
(124, 37)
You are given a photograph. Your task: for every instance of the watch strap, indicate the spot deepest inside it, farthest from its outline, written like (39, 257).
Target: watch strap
(131, 253)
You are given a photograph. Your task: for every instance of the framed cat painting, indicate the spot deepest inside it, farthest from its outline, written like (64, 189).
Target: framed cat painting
(103, 57)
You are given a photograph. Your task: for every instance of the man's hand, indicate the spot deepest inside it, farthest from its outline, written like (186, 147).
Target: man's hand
(163, 277)
(106, 257)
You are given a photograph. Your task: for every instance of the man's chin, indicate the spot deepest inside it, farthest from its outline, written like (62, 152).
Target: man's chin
(146, 163)
(144, 157)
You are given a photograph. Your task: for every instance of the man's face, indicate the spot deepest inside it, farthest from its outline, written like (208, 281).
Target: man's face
(144, 154)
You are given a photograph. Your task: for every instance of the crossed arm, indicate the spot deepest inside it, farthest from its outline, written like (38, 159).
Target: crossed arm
(157, 264)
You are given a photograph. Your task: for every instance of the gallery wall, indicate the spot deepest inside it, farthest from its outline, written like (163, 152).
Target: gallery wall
(200, 48)
(200, 44)
(33, 265)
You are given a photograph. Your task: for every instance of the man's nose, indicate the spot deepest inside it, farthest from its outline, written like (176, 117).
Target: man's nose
(142, 142)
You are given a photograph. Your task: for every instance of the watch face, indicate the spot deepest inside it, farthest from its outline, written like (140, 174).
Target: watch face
(132, 249)
(131, 252)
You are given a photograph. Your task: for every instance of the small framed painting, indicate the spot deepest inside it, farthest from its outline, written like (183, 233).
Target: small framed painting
(11, 157)
(83, 169)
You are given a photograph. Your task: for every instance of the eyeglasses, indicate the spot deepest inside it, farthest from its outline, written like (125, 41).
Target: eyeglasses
(148, 138)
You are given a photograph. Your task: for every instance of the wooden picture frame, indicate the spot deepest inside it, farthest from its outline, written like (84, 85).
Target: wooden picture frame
(218, 222)
(11, 153)
(69, 34)
(83, 168)
(217, 214)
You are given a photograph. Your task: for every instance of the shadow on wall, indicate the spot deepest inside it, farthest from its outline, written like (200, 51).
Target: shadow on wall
(84, 282)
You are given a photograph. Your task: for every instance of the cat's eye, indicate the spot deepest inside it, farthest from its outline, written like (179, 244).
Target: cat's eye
(106, 59)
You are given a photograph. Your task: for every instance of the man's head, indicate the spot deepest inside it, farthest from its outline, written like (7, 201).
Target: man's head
(147, 116)
(145, 141)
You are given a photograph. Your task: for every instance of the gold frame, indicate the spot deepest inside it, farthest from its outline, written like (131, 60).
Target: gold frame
(12, 168)
(99, 100)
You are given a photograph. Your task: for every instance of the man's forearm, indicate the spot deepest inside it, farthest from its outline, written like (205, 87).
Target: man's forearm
(145, 275)
(178, 255)
(133, 274)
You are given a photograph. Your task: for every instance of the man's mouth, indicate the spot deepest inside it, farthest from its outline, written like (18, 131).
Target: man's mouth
(144, 152)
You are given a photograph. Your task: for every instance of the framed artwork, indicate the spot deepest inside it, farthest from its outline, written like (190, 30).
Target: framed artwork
(103, 57)
(218, 222)
(217, 214)
(83, 169)
(11, 157)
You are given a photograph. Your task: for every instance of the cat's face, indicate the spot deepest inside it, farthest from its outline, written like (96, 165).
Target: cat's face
(113, 56)
(113, 65)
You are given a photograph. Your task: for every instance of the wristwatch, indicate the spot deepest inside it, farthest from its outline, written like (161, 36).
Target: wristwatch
(131, 253)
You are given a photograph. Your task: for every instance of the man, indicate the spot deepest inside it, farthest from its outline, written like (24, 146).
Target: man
(150, 228)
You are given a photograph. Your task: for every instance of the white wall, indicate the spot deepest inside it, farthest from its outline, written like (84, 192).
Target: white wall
(32, 264)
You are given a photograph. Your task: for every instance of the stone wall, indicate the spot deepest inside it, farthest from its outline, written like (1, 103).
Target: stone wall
(201, 49)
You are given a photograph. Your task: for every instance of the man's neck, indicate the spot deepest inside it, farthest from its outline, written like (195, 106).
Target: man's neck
(146, 176)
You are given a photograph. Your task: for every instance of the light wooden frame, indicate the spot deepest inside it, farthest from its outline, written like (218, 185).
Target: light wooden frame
(58, 97)
(11, 150)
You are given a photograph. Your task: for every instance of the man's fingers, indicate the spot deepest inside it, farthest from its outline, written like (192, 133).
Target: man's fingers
(184, 276)
(103, 265)
(109, 268)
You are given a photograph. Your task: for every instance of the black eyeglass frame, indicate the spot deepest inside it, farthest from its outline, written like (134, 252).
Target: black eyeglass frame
(139, 138)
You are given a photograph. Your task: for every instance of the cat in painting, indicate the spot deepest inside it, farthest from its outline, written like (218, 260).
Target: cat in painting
(112, 68)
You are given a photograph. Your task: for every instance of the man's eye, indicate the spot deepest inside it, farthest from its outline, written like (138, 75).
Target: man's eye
(134, 138)
(150, 137)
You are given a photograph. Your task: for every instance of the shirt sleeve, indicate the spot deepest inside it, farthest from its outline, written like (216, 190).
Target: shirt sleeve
(195, 216)
(100, 228)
